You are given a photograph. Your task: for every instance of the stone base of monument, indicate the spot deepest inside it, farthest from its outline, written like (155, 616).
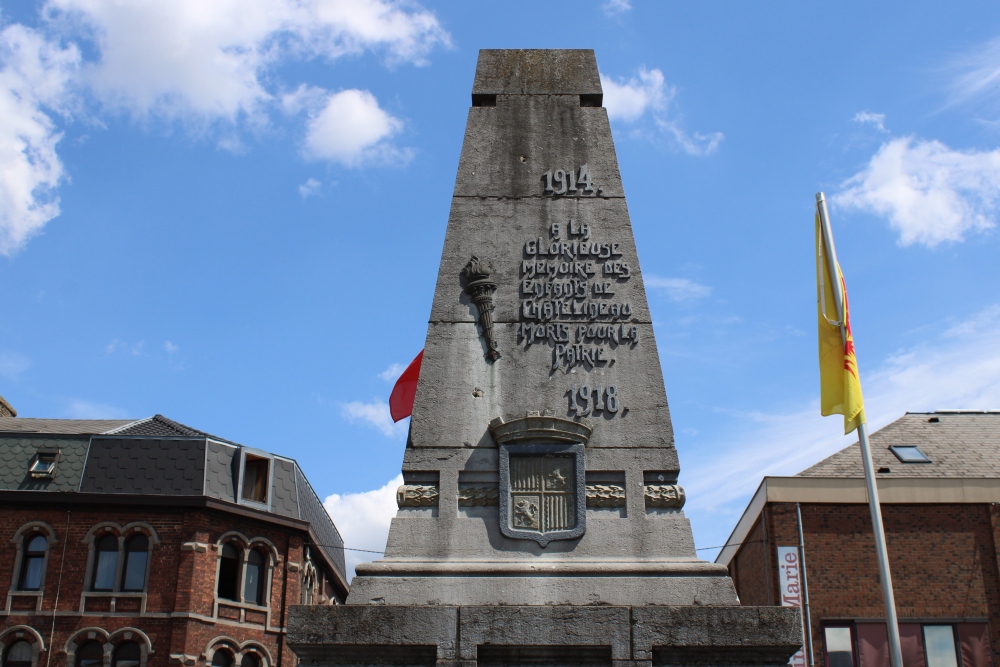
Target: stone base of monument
(544, 635)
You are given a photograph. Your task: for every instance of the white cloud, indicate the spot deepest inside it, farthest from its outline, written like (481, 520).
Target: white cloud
(374, 414)
(929, 192)
(363, 520)
(13, 364)
(208, 65)
(876, 120)
(392, 372)
(678, 289)
(33, 82)
(615, 7)
(78, 409)
(630, 100)
(210, 60)
(353, 130)
(976, 76)
(960, 368)
(135, 349)
(170, 347)
(309, 188)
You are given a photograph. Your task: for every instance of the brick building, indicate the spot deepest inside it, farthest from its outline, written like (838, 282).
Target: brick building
(147, 543)
(939, 485)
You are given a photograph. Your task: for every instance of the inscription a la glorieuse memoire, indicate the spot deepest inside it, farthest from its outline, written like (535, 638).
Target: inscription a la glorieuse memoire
(568, 282)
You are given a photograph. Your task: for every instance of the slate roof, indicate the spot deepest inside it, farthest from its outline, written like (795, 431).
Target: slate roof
(155, 457)
(68, 426)
(17, 453)
(959, 444)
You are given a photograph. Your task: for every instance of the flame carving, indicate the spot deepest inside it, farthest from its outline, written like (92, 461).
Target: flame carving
(481, 289)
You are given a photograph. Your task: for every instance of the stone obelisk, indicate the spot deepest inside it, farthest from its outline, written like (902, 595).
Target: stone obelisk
(540, 517)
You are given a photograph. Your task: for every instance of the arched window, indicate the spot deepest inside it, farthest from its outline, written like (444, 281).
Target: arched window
(222, 658)
(229, 573)
(308, 582)
(253, 585)
(17, 654)
(250, 660)
(33, 562)
(90, 654)
(127, 654)
(105, 563)
(134, 572)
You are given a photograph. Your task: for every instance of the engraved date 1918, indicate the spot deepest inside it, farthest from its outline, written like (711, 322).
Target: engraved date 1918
(568, 181)
(584, 400)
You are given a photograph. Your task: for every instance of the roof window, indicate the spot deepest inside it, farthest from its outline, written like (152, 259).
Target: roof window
(909, 454)
(43, 466)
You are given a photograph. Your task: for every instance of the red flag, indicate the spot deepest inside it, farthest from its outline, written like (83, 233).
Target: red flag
(401, 398)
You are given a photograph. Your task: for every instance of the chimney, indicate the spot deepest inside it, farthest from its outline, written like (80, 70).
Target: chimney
(6, 409)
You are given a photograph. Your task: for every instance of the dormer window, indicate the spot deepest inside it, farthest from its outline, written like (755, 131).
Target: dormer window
(43, 466)
(256, 474)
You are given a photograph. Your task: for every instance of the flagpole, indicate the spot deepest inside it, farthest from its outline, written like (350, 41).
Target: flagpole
(892, 624)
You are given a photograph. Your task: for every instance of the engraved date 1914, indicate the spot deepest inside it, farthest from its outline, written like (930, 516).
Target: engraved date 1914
(585, 400)
(568, 181)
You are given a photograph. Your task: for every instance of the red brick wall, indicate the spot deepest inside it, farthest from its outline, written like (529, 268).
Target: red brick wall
(180, 581)
(942, 558)
(750, 563)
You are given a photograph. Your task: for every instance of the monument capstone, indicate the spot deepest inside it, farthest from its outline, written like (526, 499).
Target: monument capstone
(540, 520)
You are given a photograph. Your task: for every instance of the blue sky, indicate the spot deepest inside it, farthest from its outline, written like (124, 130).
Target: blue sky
(231, 213)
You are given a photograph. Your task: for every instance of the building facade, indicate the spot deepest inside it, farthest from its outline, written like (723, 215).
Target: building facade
(939, 485)
(147, 543)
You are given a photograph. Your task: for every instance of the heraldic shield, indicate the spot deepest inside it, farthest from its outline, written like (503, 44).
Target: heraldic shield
(543, 492)
(543, 488)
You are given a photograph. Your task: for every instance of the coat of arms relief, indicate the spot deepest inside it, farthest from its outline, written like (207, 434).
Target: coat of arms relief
(542, 478)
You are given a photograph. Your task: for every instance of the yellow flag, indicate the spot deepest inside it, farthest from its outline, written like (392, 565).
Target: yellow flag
(840, 386)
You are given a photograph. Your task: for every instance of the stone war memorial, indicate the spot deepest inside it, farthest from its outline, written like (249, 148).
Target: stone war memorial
(540, 521)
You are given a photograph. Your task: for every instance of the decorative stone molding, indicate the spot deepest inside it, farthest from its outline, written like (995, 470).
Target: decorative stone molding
(197, 547)
(664, 495)
(480, 495)
(606, 495)
(537, 428)
(416, 495)
(481, 289)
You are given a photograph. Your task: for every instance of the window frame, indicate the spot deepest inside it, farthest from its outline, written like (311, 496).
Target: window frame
(955, 641)
(850, 626)
(32, 653)
(255, 454)
(76, 652)
(50, 457)
(27, 556)
(895, 449)
(237, 595)
(122, 534)
(126, 557)
(118, 647)
(105, 537)
(244, 546)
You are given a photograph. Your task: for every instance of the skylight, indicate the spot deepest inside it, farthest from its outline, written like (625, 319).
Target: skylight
(909, 454)
(43, 466)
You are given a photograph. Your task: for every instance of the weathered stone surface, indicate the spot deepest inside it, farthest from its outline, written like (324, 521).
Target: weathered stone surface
(536, 72)
(475, 571)
(449, 412)
(660, 635)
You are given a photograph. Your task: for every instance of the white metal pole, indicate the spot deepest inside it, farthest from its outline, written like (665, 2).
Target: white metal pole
(892, 624)
(806, 616)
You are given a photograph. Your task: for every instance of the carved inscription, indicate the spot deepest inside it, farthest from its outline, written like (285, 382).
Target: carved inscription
(568, 182)
(584, 400)
(568, 285)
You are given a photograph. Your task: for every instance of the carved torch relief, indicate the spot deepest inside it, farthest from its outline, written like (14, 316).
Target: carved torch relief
(480, 288)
